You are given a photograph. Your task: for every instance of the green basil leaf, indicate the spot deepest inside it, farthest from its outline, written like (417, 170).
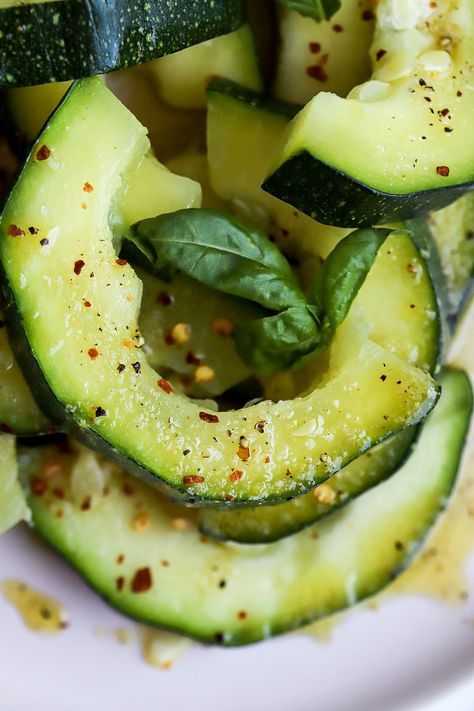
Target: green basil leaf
(278, 342)
(223, 253)
(340, 277)
(319, 10)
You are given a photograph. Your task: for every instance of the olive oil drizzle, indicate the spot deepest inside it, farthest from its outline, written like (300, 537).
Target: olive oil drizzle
(38, 611)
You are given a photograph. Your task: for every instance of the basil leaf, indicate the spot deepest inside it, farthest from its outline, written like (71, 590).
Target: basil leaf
(278, 342)
(340, 277)
(319, 10)
(223, 253)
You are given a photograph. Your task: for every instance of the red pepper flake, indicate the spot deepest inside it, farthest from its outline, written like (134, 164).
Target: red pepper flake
(84, 205)
(86, 504)
(164, 299)
(314, 47)
(93, 353)
(169, 340)
(337, 28)
(442, 170)
(381, 53)
(193, 479)
(100, 412)
(44, 241)
(236, 476)
(120, 558)
(121, 262)
(368, 15)
(229, 497)
(207, 417)
(119, 583)
(58, 493)
(241, 615)
(43, 153)
(444, 112)
(260, 426)
(243, 451)
(317, 72)
(127, 490)
(267, 460)
(192, 359)
(142, 581)
(87, 187)
(136, 367)
(15, 231)
(78, 264)
(87, 304)
(165, 385)
(33, 230)
(38, 486)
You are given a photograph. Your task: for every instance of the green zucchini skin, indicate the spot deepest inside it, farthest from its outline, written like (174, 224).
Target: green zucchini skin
(240, 595)
(334, 198)
(56, 41)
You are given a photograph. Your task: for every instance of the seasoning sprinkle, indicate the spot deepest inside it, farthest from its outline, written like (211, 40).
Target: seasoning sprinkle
(207, 417)
(15, 231)
(442, 170)
(193, 479)
(142, 581)
(43, 153)
(165, 385)
(78, 264)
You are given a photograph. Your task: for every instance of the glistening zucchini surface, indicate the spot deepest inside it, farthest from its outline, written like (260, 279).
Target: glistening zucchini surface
(407, 324)
(55, 41)
(88, 365)
(400, 144)
(158, 570)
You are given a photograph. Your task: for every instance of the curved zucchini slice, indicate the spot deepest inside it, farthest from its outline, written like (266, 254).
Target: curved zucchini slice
(53, 41)
(332, 55)
(399, 145)
(408, 324)
(151, 564)
(88, 364)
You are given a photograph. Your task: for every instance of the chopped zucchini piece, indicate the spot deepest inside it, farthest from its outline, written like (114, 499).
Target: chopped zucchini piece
(331, 55)
(399, 145)
(13, 506)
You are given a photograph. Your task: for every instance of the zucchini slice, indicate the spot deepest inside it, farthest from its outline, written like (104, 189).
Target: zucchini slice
(19, 413)
(181, 78)
(87, 364)
(54, 41)
(146, 558)
(399, 145)
(452, 230)
(332, 55)
(13, 506)
(408, 324)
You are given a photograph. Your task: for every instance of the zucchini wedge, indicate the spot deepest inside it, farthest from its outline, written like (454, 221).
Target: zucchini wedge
(331, 55)
(54, 41)
(13, 506)
(87, 364)
(146, 558)
(399, 145)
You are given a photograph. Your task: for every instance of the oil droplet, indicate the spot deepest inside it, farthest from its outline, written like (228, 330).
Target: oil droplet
(39, 612)
(161, 648)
